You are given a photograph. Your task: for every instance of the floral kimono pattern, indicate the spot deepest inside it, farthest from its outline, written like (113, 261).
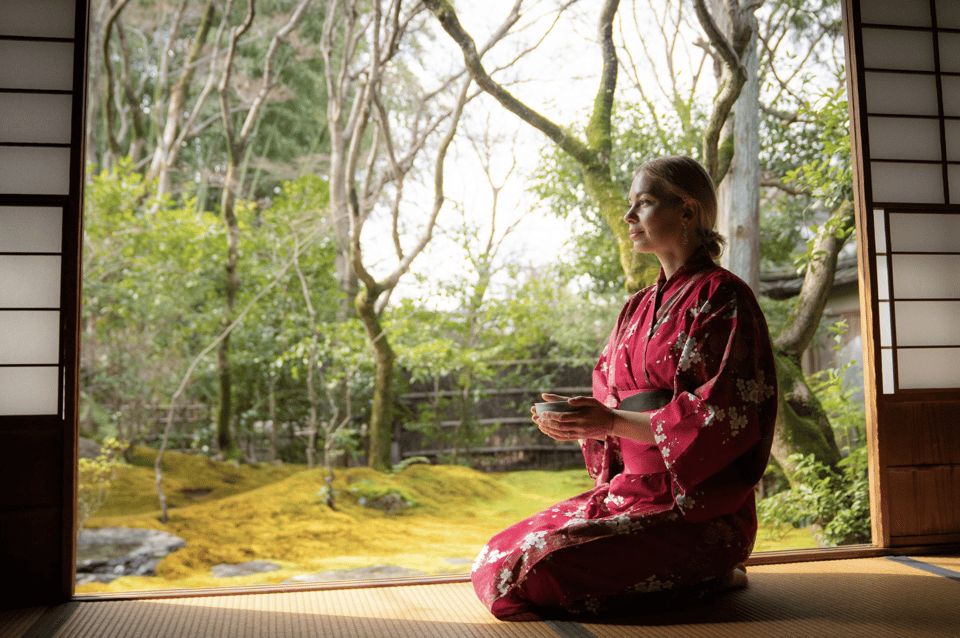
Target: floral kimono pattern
(664, 522)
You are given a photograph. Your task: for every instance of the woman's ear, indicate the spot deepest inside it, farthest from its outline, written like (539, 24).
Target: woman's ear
(691, 209)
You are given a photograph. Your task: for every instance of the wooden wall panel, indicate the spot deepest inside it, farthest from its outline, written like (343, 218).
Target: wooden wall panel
(32, 558)
(31, 468)
(924, 501)
(926, 433)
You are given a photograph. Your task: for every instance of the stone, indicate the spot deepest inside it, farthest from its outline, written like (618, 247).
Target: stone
(89, 449)
(389, 504)
(106, 554)
(373, 572)
(225, 570)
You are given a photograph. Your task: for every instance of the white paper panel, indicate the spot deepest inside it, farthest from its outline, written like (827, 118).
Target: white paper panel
(36, 118)
(898, 49)
(36, 65)
(886, 326)
(31, 337)
(29, 390)
(901, 93)
(920, 368)
(948, 14)
(953, 180)
(38, 18)
(949, 52)
(928, 323)
(907, 183)
(952, 134)
(25, 229)
(925, 232)
(29, 281)
(904, 138)
(34, 170)
(926, 276)
(913, 13)
(883, 281)
(951, 95)
(880, 230)
(886, 371)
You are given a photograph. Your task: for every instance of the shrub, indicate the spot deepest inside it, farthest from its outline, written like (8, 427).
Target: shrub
(94, 477)
(837, 504)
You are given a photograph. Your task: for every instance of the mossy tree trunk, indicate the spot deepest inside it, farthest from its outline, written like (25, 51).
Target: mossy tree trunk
(802, 425)
(381, 413)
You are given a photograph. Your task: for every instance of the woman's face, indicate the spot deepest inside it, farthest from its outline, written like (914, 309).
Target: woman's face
(655, 216)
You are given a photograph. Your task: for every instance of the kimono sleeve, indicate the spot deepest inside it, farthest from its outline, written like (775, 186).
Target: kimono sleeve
(715, 435)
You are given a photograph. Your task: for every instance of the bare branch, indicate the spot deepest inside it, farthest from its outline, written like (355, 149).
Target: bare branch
(451, 24)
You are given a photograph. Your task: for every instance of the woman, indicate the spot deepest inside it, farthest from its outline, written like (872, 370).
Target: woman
(676, 435)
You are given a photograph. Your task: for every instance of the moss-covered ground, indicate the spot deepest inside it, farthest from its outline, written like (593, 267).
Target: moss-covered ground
(230, 514)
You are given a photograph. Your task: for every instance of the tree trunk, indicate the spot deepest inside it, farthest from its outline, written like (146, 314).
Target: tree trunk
(802, 425)
(381, 414)
(225, 439)
(273, 417)
(341, 210)
(738, 194)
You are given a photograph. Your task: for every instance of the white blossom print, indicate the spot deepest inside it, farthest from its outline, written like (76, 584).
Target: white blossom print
(503, 586)
(485, 556)
(533, 539)
(614, 500)
(713, 415)
(737, 422)
(658, 434)
(619, 523)
(690, 354)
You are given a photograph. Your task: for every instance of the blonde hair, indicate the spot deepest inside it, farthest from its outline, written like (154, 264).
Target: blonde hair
(686, 179)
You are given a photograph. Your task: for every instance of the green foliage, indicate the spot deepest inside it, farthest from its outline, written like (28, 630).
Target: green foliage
(838, 504)
(153, 286)
(847, 416)
(94, 477)
(828, 176)
(151, 282)
(639, 135)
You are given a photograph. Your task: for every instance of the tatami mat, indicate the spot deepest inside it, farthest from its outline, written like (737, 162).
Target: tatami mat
(873, 597)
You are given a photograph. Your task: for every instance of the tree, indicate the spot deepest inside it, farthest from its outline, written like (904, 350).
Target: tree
(730, 47)
(237, 142)
(369, 53)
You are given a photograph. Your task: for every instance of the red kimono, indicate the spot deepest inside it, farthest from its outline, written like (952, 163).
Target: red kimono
(664, 522)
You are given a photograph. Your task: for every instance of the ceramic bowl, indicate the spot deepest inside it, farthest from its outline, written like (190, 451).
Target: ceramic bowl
(556, 406)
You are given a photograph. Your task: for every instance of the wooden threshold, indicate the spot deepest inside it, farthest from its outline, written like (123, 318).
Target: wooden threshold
(761, 558)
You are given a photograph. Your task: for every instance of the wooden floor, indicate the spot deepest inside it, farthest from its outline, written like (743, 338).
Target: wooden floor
(871, 597)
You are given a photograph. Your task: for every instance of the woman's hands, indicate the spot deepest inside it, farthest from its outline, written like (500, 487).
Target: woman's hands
(593, 421)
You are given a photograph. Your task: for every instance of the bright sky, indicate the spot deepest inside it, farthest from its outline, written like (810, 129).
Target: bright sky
(558, 79)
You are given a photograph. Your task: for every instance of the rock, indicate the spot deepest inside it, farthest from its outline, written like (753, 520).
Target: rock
(225, 570)
(89, 449)
(459, 560)
(106, 554)
(391, 503)
(361, 573)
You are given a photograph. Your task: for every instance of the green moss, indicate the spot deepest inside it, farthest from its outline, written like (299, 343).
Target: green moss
(187, 479)
(286, 521)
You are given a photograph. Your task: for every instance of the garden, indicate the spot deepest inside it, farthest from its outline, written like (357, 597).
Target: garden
(329, 262)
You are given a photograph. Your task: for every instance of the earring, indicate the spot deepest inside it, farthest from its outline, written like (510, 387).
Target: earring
(685, 239)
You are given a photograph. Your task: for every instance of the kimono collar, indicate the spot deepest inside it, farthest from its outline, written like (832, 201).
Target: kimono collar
(697, 262)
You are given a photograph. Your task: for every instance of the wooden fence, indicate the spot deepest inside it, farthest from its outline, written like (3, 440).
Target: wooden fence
(511, 440)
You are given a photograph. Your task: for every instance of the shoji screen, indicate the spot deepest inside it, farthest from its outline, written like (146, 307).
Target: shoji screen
(904, 73)
(42, 71)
